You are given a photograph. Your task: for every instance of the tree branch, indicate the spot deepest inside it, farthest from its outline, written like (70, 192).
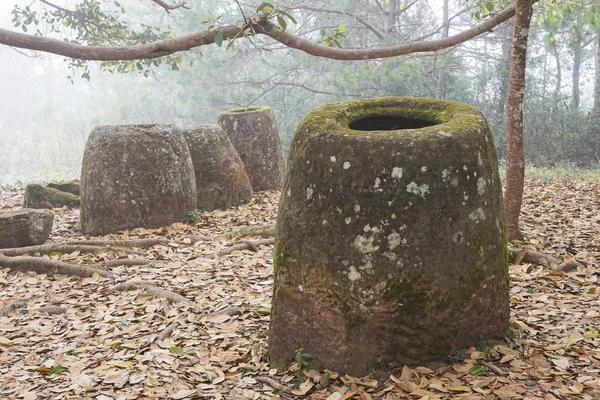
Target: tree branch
(173, 45)
(319, 50)
(168, 7)
(380, 34)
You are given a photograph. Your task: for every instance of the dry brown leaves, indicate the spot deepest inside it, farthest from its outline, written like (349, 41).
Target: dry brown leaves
(128, 345)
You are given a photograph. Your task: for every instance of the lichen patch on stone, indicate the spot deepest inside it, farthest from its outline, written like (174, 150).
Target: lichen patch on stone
(365, 244)
(477, 215)
(309, 193)
(416, 189)
(353, 274)
(394, 240)
(481, 186)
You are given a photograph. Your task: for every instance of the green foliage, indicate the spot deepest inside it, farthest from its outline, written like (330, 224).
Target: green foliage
(303, 360)
(95, 23)
(194, 216)
(333, 40)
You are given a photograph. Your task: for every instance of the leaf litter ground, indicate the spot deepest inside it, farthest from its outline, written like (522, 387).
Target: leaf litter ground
(130, 345)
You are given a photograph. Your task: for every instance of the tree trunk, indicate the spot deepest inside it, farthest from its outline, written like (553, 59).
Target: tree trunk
(515, 163)
(576, 72)
(25, 227)
(504, 67)
(558, 73)
(596, 108)
(441, 81)
(389, 21)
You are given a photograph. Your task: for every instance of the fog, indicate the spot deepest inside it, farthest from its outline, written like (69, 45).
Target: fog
(45, 116)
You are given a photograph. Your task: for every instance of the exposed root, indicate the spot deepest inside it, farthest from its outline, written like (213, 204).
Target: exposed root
(538, 258)
(151, 290)
(13, 305)
(125, 262)
(262, 231)
(273, 383)
(66, 249)
(198, 238)
(166, 333)
(245, 245)
(50, 267)
(50, 310)
(227, 311)
(141, 243)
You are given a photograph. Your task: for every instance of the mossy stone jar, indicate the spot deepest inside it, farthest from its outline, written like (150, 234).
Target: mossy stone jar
(221, 178)
(135, 176)
(391, 244)
(253, 132)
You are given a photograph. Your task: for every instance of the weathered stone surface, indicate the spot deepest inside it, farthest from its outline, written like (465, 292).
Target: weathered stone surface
(135, 176)
(390, 242)
(221, 178)
(25, 227)
(37, 196)
(253, 132)
(69, 187)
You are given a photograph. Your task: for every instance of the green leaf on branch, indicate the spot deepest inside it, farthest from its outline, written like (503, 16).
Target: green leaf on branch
(219, 39)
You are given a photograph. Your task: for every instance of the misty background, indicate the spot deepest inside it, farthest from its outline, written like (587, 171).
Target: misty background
(45, 116)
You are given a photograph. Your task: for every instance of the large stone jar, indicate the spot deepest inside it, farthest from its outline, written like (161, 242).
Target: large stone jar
(253, 132)
(390, 239)
(221, 178)
(135, 176)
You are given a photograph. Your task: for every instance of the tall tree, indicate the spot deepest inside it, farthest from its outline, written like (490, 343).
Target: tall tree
(441, 79)
(515, 161)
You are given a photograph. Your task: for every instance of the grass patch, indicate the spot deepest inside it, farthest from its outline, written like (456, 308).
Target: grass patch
(566, 171)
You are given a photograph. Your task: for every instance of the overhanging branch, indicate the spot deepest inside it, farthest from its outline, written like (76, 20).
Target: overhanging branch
(183, 43)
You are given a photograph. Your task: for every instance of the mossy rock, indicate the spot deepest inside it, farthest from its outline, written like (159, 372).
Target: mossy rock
(221, 178)
(37, 196)
(135, 176)
(253, 132)
(390, 236)
(73, 186)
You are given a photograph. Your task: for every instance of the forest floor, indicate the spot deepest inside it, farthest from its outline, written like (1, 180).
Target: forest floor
(74, 338)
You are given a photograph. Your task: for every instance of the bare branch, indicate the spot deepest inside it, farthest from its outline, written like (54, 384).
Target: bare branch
(168, 7)
(57, 7)
(380, 34)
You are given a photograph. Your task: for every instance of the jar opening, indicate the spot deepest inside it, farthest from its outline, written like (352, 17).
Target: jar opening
(388, 123)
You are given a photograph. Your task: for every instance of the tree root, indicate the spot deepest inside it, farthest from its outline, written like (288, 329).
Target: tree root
(50, 310)
(262, 231)
(245, 245)
(48, 266)
(141, 243)
(125, 262)
(538, 258)
(65, 248)
(151, 290)
(12, 305)
(166, 333)
(273, 383)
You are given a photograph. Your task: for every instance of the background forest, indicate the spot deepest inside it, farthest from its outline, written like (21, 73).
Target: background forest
(47, 109)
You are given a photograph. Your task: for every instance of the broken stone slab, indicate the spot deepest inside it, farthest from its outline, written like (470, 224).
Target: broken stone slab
(25, 227)
(37, 196)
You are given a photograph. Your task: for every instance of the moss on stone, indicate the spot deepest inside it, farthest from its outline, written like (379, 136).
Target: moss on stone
(389, 235)
(221, 178)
